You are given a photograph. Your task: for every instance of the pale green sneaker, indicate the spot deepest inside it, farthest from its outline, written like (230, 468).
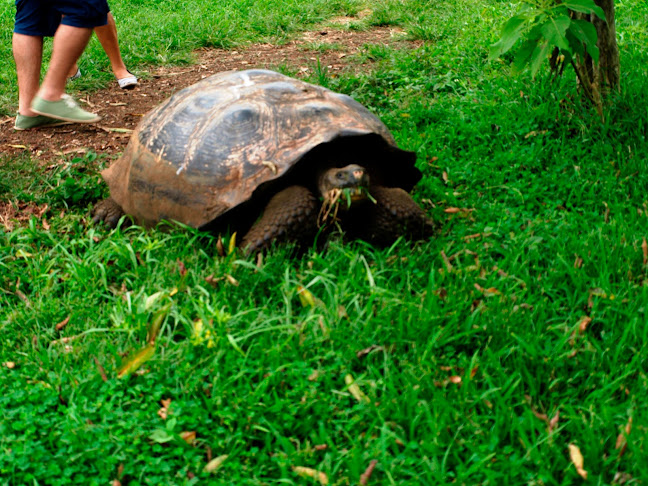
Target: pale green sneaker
(39, 121)
(65, 109)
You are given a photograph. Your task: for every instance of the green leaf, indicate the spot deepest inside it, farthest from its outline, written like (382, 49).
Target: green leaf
(554, 31)
(540, 53)
(510, 34)
(585, 6)
(585, 32)
(524, 55)
(161, 436)
(577, 47)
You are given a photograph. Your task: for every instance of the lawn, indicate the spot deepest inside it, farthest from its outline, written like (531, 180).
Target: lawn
(482, 356)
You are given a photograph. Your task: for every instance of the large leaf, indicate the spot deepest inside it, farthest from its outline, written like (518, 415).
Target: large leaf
(554, 31)
(585, 32)
(577, 47)
(540, 53)
(510, 34)
(585, 6)
(524, 55)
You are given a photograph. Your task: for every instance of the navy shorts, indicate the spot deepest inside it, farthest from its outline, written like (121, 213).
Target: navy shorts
(42, 17)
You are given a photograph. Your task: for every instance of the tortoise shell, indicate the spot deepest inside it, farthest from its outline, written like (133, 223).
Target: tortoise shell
(209, 147)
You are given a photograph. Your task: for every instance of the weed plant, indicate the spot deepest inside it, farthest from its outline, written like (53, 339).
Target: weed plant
(477, 357)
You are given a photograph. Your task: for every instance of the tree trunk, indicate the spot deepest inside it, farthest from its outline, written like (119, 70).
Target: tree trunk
(597, 79)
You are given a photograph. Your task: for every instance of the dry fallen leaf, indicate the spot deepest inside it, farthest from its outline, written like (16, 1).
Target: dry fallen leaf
(446, 261)
(541, 416)
(457, 210)
(622, 439)
(489, 291)
(476, 235)
(188, 436)
(102, 372)
(214, 464)
(270, 165)
(307, 472)
(355, 390)
(220, 249)
(9, 364)
(213, 281)
(644, 248)
(164, 411)
(117, 130)
(553, 423)
(364, 478)
(62, 324)
(577, 460)
(138, 359)
(232, 244)
(305, 297)
(583, 323)
(364, 352)
(621, 478)
(182, 269)
(156, 324)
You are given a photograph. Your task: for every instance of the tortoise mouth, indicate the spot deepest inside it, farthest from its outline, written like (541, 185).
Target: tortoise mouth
(341, 200)
(348, 195)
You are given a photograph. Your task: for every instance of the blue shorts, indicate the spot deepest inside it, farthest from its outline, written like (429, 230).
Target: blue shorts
(42, 17)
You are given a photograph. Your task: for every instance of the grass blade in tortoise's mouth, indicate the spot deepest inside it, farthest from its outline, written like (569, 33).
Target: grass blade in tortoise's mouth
(336, 197)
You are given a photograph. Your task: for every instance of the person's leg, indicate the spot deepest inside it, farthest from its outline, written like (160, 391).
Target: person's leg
(28, 54)
(51, 100)
(77, 19)
(107, 35)
(69, 43)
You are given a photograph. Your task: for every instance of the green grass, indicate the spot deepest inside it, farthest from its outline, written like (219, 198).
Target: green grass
(557, 196)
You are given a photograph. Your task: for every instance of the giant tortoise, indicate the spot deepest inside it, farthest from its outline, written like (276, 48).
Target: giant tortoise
(271, 157)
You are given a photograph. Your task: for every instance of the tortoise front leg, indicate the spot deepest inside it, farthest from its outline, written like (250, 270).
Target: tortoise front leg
(107, 211)
(395, 213)
(291, 215)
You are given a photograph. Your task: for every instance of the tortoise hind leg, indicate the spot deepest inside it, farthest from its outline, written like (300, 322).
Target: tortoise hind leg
(291, 215)
(107, 211)
(394, 214)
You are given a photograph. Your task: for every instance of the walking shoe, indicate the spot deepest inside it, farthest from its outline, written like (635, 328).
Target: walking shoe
(65, 109)
(28, 122)
(128, 82)
(76, 75)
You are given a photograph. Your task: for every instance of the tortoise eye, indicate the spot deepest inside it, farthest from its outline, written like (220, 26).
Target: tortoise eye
(339, 175)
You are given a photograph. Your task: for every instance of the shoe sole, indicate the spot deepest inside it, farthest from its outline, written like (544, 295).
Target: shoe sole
(65, 119)
(45, 125)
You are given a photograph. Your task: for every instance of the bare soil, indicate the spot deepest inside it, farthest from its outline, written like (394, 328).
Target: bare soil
(121, 110)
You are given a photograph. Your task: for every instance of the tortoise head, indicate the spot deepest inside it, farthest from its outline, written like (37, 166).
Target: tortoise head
(348, 184)
(342, 189)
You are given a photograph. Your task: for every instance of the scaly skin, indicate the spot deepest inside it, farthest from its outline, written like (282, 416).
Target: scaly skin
(394, 214)
(107, 211)
(291, 215)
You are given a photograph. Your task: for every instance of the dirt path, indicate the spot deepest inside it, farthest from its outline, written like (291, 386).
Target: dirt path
(122, 109)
